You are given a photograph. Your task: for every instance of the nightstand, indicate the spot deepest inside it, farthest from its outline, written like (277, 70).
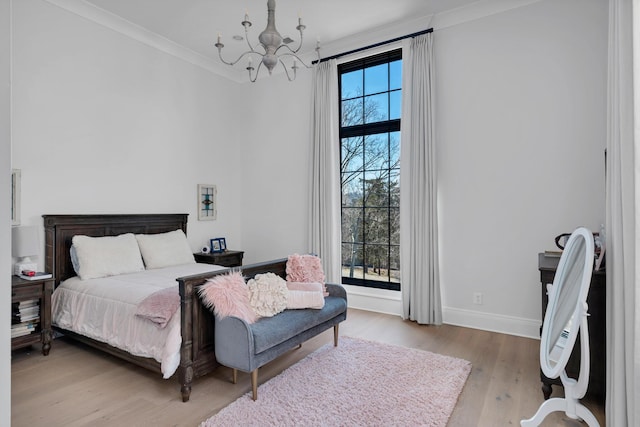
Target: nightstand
(226, 259)
(25, 295)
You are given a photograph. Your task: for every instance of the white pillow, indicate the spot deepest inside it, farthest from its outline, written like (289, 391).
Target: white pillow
(106, 256)
(165, 249)
(268, 294)
(74, 260)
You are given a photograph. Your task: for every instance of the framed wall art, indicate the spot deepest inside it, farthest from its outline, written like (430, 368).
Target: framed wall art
(207, 203)
(15, 196)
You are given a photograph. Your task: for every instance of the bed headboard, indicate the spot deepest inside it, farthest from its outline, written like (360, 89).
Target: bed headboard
(60, 229)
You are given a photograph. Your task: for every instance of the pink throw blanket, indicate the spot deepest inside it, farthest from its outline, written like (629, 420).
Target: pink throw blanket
(305, 295)
(309, 286)
(305, 299)
(160, 306)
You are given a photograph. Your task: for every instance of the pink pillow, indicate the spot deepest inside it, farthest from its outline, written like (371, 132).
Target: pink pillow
(309, 287)
(305, 269)
(305, 299)
(228, 295)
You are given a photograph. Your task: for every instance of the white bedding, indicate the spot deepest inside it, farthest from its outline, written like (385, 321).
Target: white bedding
(104, 309)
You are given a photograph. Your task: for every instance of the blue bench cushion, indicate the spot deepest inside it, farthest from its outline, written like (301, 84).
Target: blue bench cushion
(271, 331)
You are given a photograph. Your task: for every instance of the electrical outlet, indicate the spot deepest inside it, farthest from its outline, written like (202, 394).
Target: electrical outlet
(477, 298)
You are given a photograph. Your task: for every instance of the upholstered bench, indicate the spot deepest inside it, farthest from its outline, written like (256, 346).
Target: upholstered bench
(246, 347)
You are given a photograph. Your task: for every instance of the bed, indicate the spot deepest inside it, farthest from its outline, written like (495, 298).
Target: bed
(193, 324)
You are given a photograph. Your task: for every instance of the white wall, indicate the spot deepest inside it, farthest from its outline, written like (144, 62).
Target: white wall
(5, 208)
(106, 124)
(521, 107)
(520, 125)
(275, 167)
(521, 136)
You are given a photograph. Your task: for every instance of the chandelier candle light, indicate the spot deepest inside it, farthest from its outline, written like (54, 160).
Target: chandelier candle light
(272, 42)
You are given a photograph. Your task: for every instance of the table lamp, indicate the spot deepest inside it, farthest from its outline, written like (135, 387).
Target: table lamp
(24, 244)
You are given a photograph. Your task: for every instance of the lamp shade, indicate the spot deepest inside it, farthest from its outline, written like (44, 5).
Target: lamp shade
(24, 241)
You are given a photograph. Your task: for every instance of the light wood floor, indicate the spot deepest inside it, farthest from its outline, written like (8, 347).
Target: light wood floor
(78, 386)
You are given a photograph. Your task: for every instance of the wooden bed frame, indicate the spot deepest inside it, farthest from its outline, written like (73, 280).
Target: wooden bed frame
(197, 356)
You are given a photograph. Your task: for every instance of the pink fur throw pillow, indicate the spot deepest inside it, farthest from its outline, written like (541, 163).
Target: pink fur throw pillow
(228, 295)
(305, 269)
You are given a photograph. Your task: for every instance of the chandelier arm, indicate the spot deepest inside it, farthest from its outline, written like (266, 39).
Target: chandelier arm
(286, 70)
(246, 37)
(295, 57)
(294, 51)
(232, 63)
(225, 62)
(300, 29)
(254, 78)
(301, 40)
(288, 48)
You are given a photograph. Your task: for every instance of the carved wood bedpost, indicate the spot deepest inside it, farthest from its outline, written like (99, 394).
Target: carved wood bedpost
(185, 370)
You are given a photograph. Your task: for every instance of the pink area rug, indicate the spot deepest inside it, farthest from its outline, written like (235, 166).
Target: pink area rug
(358, 383)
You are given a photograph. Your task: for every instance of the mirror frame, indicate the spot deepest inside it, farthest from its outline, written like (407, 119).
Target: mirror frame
(580, 234)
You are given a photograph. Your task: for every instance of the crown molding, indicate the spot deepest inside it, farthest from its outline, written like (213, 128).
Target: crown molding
(136, 32)
(471, 12)
(476, 10)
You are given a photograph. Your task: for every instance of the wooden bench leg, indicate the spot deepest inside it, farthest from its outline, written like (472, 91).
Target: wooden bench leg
(254, 383)
(335, 334)
(234, 376)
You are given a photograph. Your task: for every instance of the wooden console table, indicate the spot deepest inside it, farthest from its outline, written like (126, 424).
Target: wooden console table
(597, 320)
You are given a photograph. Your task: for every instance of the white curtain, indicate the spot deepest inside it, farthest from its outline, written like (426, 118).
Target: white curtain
(623, 215)
(418, 187)
(324, 238)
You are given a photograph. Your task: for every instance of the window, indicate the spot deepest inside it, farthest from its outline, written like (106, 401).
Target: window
(370, 106)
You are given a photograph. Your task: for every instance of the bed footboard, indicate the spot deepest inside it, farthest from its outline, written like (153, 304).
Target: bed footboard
(197, 353)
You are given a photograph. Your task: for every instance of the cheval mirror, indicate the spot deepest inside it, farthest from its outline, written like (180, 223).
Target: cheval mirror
(566, 316)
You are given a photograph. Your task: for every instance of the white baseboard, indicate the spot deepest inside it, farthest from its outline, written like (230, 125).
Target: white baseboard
(390, 302)
(492, 322)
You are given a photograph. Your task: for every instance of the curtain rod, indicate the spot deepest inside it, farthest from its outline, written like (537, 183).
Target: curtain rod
(416, 34)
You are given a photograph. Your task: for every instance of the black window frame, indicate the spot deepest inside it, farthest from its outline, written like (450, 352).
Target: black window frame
(363, 130)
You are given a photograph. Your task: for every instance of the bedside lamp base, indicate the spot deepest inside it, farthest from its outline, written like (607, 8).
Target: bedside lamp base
(19, 267)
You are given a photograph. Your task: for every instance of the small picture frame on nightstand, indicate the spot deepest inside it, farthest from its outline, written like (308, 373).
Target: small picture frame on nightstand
(219, 244)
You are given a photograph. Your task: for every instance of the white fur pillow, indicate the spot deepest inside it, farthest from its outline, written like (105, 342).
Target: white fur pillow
(106, 256)
(268, 294)
(165, 249)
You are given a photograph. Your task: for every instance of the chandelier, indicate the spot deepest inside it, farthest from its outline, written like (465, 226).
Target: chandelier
(276, 49)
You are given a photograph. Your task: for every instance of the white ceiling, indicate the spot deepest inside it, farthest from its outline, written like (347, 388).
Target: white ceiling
(195, 24)
(188, 29)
